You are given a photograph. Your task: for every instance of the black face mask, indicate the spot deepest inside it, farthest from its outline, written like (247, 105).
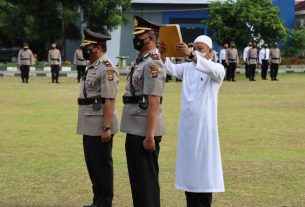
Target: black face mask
(86, 52)
(138, 43)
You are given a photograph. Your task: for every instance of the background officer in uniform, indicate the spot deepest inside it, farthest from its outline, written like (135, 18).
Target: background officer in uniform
(54, 59)
(275, 56)
(232, 61)
(142, 117)
(223, 55)
(245, 58)
(97, 119)
(252, 61)
(25, 60)
(264, 60)
(80, 62)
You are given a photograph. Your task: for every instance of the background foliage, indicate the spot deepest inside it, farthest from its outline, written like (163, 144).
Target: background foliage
(244, 20)
(39, 22)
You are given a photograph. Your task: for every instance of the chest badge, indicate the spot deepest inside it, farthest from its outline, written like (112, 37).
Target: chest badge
(154, 70)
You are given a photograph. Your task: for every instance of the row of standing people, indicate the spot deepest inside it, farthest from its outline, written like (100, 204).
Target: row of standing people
(25, 60)
(199, 169)
(251, 57)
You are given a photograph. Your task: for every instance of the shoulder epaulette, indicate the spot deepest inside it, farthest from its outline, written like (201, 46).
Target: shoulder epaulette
(107, 63)
(154, 56)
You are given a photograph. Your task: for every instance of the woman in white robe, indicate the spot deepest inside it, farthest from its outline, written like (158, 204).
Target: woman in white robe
(198, 167)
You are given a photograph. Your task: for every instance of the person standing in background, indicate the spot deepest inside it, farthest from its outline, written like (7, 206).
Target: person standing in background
(223, 56)
(252, 61)
(275, 56)
(80, 62)
(54, 59)
(245, 58)
(25, 60)
(232, 60)
(264, 54)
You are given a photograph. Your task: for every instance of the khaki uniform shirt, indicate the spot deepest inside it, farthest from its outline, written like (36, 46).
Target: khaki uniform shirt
(78, 58)
(102, 80)
(275, 55)
(232, 56)
(54, 57)
(148, 79)
(252, 56)
(25, 57)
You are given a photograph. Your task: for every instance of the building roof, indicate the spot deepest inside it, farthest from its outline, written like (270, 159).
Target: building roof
(300, 6)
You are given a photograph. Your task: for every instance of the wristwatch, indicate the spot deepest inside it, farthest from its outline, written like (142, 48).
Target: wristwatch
(105, 129)
(192, 55)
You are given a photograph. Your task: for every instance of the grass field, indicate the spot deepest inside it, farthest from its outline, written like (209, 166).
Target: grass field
(262, 135)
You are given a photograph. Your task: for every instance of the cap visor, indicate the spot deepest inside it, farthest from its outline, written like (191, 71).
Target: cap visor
(139, 32)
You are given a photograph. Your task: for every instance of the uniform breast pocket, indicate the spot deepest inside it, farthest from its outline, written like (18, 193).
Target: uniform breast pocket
(89, 111)
(91, 78)
(137, 79)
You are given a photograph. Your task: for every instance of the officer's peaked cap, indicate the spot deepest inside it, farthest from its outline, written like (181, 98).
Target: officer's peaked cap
(91, 37)
(142, 26)
(25, 45)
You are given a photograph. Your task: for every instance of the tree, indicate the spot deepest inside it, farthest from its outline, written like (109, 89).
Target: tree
(104, 15)
(40, 22)
(244, 20)
(294, 44)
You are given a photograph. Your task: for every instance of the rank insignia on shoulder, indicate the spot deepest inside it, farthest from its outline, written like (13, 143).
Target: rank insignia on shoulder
(154, 70)
(107, 63)
(110, 74)
(96, 64)
(154, 56)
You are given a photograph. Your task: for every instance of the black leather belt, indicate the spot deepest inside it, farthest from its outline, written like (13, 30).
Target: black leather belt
(89, 101)
(252, 58)
(54, 59)
(135, 99)
(232, 59)
(25, 58)
(275, 58)
(80, 59)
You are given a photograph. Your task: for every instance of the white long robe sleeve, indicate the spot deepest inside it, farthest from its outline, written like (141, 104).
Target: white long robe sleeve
(198, 166)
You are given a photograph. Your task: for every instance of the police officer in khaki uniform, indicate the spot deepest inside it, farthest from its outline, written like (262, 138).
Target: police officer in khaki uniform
(232, 61)
(275, 58)
(252, 61)
(142, 117)
(80, 62)
(54, 59)
(25, 60)
(97, 119)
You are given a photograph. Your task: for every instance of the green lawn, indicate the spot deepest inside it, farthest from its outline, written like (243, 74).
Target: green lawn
(262, 135)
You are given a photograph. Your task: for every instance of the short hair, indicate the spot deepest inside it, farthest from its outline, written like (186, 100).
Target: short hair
(154, 34)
